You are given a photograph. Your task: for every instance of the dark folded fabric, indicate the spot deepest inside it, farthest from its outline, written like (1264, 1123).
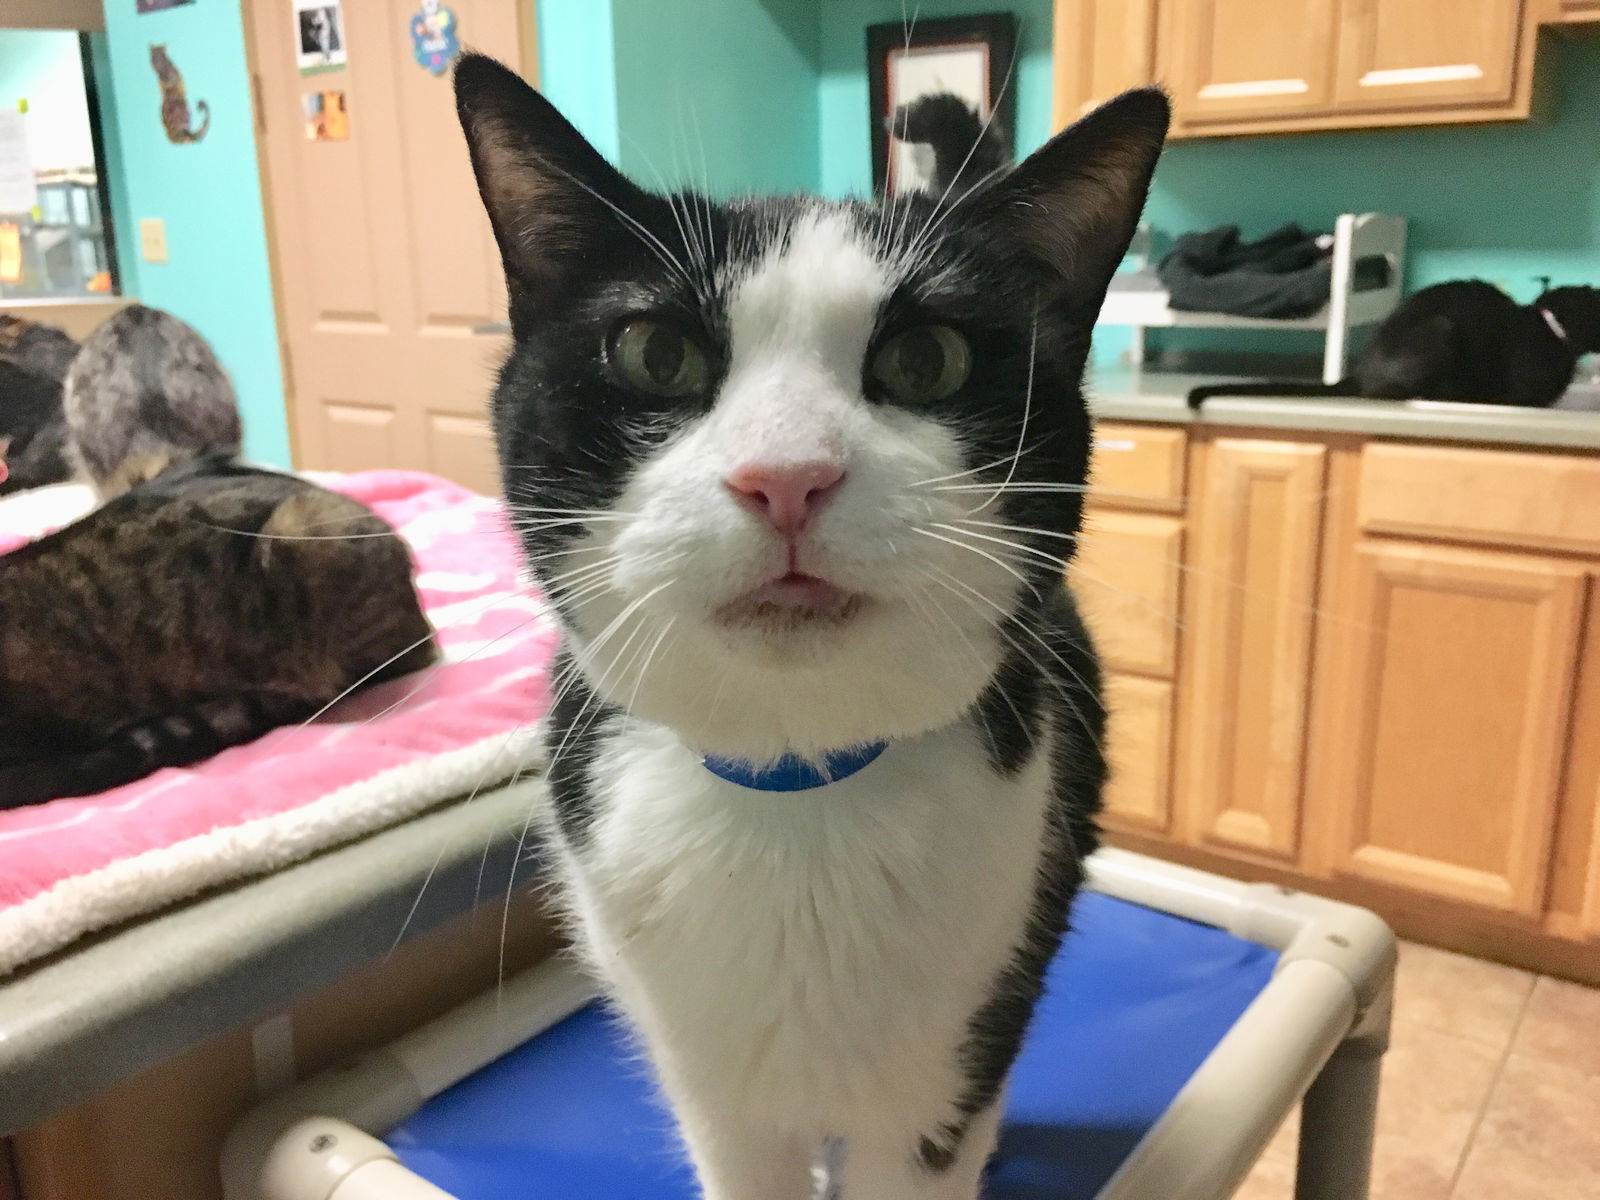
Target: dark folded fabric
(1285, 274)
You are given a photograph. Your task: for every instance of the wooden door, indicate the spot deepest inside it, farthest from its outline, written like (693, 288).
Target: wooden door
(1454, 714)
(1256, 530)
(1102, 48)
(1239, 59)
(1396, 54)
(385, 268)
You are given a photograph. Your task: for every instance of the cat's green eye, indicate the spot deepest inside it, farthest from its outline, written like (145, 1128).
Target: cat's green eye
(922, 364)
(657, 358)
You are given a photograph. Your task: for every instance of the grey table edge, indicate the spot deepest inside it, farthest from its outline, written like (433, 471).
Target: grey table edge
(1115, 394)
(116, 1004)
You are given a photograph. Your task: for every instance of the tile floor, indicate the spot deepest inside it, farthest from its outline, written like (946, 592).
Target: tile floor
(1491, 1089)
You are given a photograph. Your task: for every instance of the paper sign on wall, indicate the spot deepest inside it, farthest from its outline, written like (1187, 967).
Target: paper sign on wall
(319, 36)
(19, 192)
(10, 252)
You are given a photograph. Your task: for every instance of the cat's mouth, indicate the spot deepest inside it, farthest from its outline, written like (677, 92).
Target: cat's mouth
(793, 601)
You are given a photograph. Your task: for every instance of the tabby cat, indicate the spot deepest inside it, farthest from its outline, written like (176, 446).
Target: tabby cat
(175, 100)
(195, 611)
(799, 477)
(144, 392)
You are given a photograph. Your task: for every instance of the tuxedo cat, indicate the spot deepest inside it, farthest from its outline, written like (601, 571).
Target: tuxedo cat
(800, 477)
(1464, 340)
(965, 149)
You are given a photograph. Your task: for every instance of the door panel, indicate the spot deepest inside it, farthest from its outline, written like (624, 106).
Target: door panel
(1242, 726)
(1416, 53)
(357, 436)
(462, 448)
(383, 257)
(1456, 705)
(1236, 59)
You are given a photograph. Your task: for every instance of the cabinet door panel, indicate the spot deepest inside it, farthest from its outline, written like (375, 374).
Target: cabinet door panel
(1418, 53)
(1456, 707)
(1238, 59)
(1126, 578)
(1139, 750)
(1256, 534)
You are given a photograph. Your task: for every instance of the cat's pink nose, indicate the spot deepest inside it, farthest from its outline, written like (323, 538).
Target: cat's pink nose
(786, 495)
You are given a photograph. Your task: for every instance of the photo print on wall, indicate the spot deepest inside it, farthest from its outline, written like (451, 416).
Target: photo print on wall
(971, 57)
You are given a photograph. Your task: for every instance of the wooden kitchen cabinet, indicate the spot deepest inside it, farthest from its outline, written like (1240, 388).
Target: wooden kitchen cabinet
(1285, 66)
(1255, 533)
(1420, 53)
(1454, 719)
(1101, 48)
(1384, 679)
(1127, 575)
(1139, 753)
(1226, 60)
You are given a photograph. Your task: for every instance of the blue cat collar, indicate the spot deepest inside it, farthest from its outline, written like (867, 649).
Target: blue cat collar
(791, 773)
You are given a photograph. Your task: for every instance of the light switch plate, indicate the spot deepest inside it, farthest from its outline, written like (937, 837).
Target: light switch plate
(153, 239)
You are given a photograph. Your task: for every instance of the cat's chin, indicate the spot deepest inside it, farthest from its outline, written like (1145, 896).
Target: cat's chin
(771, 683)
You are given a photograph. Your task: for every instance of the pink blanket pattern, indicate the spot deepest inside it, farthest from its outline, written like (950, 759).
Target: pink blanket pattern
(489, 687)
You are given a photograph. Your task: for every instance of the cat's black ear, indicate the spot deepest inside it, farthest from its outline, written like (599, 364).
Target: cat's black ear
(1074, 202)
(548, 191)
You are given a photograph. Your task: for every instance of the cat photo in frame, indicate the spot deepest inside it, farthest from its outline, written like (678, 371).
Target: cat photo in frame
(971, 57)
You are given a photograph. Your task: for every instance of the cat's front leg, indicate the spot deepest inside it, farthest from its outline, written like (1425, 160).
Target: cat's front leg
(736, 1159)
(880, 1167)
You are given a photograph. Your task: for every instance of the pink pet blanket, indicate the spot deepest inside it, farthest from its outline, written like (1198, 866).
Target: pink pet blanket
(384, 754)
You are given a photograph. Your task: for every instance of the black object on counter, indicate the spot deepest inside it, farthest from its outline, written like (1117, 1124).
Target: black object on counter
(1288, 273)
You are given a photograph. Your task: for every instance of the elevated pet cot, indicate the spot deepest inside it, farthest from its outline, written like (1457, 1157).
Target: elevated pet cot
(1184, 1018)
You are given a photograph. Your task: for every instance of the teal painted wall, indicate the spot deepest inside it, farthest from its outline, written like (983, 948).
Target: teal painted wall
(846, 167)
(208, 193)
(719, 94)
(577, 67)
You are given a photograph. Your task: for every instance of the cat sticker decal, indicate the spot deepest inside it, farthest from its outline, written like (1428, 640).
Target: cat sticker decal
(175, 101)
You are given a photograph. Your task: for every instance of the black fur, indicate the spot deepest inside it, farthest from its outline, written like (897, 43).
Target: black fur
(1069, 689)
(584, 719)
(34, 425)
(966, 149)
(1464, 341)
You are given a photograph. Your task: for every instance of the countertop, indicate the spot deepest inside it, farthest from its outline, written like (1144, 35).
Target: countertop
(1123, 394)
(114, 1005)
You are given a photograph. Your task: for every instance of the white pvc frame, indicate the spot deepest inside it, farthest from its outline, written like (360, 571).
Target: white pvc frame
(1355, 236)
(1316, 1034)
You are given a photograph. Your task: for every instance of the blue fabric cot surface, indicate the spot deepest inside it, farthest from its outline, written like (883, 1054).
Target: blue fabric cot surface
(1134, 1002)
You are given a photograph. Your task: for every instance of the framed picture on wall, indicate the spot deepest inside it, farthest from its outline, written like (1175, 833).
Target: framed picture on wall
(973, 57)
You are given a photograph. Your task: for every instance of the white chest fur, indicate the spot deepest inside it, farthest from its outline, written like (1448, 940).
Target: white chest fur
(814, 956)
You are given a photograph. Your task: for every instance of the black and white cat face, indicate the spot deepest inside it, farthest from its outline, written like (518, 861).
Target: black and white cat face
(797, 472)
